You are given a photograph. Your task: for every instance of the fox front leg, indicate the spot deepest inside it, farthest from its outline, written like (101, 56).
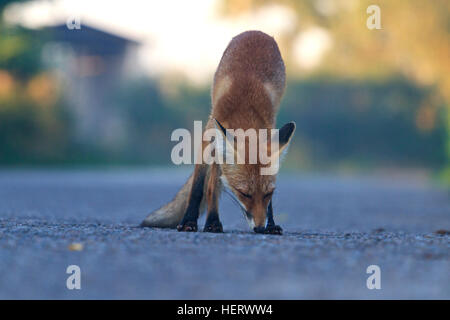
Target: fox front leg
(189, 221)
(213, 223)
(271, 227)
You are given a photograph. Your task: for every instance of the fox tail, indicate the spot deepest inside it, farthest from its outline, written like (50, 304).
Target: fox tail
(170, 215)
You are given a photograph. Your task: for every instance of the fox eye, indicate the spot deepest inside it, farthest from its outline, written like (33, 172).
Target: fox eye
(244, 194)
(268, 194)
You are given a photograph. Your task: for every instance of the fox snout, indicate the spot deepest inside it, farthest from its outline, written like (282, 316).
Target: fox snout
(257, 218)
(259, 229)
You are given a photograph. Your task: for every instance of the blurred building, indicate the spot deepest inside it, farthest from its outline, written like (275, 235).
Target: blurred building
(91, 64)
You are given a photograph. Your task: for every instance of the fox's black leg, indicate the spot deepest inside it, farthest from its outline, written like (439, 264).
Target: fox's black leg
(213, 223)
(271, 227)
(270, 221)
(189, 221)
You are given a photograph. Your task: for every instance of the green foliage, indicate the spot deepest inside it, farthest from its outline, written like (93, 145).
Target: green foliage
(361, 122)
(372, 123)
(20, 52)
(31, 135)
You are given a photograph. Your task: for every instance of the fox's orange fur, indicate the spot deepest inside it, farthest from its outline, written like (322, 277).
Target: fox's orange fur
(248, 86)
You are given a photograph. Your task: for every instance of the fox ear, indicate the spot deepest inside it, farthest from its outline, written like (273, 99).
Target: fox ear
(224, 141)
(285, 135)
(220, 128)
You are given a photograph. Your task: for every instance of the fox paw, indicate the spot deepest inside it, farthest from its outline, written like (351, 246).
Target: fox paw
(273, 229)
(259, 229)
(189, 226)
(214, 227)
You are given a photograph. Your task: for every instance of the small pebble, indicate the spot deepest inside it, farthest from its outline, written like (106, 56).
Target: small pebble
(76, 246)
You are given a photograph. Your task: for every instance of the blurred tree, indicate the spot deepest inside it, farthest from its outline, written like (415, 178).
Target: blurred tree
(414, 38)
(375, 99)
(369, 124)
(33, 129)
(414, 41)
(19, 49)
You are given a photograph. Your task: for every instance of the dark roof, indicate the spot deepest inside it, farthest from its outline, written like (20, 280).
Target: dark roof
(93, 40)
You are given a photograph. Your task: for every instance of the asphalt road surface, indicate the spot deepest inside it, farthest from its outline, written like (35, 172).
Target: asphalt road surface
(335, 227)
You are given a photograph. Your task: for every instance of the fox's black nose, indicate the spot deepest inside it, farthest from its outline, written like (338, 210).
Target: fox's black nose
(259, 229)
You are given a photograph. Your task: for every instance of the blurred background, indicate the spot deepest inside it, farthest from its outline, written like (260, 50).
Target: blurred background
(90, 92)
(111, 92)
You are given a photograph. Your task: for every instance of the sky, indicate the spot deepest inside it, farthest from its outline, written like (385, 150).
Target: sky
(176, 35)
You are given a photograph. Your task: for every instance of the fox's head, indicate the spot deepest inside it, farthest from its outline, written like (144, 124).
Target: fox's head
(245, 182)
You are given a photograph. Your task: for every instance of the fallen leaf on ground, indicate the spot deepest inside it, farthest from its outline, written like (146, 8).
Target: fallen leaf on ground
(76, 246)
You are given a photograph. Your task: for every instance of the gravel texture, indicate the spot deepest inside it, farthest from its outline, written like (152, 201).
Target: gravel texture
(335, 227)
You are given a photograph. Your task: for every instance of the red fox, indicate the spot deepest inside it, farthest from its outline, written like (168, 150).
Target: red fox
(248, 86)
